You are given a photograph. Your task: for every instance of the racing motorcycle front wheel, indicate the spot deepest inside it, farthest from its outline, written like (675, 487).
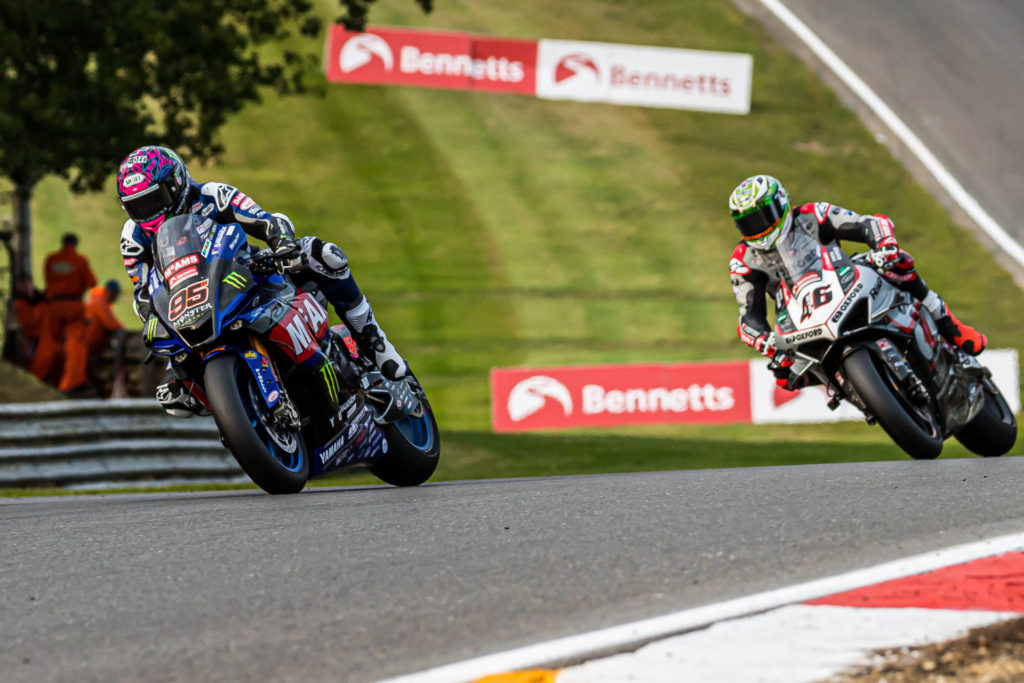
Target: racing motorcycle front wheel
(274, 458)
(911, 426)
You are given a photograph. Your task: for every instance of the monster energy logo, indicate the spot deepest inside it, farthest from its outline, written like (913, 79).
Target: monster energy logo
(235, 279)
(151, 329)
(330, 381)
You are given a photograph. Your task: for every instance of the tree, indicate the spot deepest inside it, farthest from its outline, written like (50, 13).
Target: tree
(82, 82)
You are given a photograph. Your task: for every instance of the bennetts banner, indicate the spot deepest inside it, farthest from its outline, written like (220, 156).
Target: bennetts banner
(552, 69)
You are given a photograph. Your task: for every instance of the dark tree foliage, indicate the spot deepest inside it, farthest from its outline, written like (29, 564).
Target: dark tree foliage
(354, 18)
(83, 82)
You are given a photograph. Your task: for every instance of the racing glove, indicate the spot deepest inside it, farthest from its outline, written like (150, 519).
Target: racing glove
(287, 253)
(885, 253)
(781, 367)
(765, 344)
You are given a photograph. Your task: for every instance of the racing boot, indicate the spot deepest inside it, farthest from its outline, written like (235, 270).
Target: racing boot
(373, 342)
(962, 336)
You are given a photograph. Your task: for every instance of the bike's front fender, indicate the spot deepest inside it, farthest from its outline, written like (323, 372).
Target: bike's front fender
(259, 365)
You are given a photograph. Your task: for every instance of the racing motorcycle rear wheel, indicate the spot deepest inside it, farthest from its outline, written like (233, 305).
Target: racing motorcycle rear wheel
(414, 445)
(993, 431)
(275, 459)
(912, 427)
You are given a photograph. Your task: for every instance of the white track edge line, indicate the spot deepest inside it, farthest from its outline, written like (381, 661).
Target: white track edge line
(960, 195)
(584, 644)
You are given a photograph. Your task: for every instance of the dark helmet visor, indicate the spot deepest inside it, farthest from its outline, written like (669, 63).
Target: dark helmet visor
(148, 204)
(757, 223)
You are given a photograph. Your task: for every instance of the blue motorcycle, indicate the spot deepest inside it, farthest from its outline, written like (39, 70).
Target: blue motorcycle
(291, 395)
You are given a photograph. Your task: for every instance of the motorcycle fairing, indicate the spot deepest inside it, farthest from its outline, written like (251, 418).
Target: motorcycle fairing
(192, 258)
(361, 442)
(802, 299)
(159, 340)
(345, 335)
(297, 324)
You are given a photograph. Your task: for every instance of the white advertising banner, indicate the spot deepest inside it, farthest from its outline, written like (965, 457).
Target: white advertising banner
(770, 403)
(644, 76)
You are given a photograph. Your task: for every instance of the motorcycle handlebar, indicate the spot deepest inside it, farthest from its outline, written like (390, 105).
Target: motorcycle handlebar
(262, 263)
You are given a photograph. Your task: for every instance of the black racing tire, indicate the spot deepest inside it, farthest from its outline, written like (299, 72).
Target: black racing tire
(914, 430)
(414, 447)
(993, 431)
(234, 402)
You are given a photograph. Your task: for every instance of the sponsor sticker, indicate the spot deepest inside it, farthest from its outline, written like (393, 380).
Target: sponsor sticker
(132, 160)
(133, 180)
(224, 193)
(190, 260)
(181, 276)
(738, 267)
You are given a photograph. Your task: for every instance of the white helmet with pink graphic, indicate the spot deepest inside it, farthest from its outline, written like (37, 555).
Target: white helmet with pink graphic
(152, 184)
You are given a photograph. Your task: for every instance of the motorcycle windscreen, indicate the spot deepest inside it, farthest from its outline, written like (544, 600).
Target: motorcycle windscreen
(234, 281)
(184, 300)
(810, 284)
(801, 258)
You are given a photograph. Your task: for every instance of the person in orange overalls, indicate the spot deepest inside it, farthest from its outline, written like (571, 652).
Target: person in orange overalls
(68, 276)
(29, 312)
(100, 324)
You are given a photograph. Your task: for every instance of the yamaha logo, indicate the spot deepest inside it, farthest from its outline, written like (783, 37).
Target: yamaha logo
(531, 394)
(573, 64)
(359, 50)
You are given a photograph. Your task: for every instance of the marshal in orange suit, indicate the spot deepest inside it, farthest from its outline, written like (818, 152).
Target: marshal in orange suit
(100, 325)
(68, 276)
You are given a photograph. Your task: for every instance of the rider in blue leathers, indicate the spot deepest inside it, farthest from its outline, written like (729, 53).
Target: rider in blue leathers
(154, 184)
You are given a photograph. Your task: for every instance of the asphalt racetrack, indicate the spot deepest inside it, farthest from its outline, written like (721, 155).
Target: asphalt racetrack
(359, 584)
(953, 71)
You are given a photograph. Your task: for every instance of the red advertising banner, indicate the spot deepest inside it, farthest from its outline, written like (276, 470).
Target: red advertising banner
(431, 59)
(524, 399)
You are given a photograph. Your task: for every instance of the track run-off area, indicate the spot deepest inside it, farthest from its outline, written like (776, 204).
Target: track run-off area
(359, 584)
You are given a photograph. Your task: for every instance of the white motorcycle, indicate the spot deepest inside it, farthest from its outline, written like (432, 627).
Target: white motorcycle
(878, 347)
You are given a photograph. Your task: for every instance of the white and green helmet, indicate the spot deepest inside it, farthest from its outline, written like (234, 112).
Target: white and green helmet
(761, 209)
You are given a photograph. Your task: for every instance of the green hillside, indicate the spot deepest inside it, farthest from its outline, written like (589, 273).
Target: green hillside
(493, 230)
